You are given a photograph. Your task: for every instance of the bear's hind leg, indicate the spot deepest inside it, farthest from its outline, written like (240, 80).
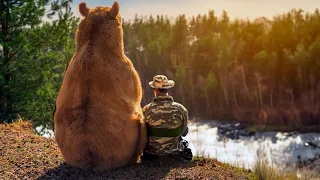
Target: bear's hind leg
(141, 142)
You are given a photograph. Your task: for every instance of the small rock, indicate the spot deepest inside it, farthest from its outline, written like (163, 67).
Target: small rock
(311, 144)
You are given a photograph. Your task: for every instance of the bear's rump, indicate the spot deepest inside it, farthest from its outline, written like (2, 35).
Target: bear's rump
(100, 146)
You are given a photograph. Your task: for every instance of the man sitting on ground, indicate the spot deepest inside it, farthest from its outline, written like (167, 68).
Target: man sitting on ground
(166, 122)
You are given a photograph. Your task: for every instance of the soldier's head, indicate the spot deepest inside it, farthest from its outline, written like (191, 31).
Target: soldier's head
(161, 85)
(160, 92)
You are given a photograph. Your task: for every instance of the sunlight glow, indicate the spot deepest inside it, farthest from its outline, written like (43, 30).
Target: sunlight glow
(243, 9)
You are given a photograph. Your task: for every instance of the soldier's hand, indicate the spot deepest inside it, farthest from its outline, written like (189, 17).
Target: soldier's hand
(185, 132)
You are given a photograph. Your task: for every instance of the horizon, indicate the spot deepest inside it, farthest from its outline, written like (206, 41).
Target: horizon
(240, 9)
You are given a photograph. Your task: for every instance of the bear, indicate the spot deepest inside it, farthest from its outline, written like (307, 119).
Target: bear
(98, 121)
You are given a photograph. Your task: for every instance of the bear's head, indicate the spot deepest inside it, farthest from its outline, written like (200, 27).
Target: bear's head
(100, 25)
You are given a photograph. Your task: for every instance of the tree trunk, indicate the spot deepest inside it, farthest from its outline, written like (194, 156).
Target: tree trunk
(244, 82)
(271, 98)
(192, 94)
(259, 90)
(6, 99)
(225, 92)
(234, 96)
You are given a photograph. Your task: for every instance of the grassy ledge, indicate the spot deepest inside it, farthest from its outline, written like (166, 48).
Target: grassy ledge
(26, 155)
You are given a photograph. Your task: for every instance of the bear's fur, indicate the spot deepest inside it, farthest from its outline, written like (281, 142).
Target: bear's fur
(98, 119)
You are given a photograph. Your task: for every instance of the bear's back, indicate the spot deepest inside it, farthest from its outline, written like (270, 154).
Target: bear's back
(93, 107)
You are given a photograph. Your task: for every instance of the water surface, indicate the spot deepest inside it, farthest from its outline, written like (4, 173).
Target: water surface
(281, 149)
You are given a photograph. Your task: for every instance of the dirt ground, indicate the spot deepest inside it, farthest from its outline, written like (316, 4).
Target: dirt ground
(25, 155)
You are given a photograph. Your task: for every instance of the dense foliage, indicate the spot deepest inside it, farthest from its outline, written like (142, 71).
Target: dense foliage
(37, 41)
(264, 70)
(267, 71)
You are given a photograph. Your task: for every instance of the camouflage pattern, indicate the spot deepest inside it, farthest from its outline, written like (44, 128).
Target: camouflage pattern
(163, 112)
(161, 82)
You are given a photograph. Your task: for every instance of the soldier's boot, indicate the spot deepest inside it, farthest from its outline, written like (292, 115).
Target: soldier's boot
(149, 157)
(186, 154)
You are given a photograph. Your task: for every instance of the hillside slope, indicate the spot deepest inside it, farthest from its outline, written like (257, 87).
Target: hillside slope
(25, 155)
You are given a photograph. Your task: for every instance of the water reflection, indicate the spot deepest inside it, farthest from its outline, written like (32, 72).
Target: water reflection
(45, 132)
(281, 149)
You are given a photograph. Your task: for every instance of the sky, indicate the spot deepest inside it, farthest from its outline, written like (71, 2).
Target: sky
(243, 9)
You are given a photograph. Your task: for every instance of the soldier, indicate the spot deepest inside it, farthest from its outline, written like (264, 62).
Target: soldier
(166, 122)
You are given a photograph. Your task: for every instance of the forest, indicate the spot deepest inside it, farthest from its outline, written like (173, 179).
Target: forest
(262, 71)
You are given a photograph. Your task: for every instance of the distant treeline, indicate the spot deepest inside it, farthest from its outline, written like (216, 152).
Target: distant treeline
(266, 70)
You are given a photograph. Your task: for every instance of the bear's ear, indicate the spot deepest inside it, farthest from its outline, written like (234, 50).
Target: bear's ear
(83, 9)
(114, 11)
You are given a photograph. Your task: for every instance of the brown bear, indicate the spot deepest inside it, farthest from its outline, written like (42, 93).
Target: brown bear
(98, 119)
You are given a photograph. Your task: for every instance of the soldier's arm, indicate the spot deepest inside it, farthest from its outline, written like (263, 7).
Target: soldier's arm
(185, 121)
(145, 108)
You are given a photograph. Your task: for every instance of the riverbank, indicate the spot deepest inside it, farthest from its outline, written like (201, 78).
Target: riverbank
(284, 128)
(253, 126)
(26, 155)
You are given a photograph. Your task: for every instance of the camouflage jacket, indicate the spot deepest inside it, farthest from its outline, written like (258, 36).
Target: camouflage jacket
(166, 122)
